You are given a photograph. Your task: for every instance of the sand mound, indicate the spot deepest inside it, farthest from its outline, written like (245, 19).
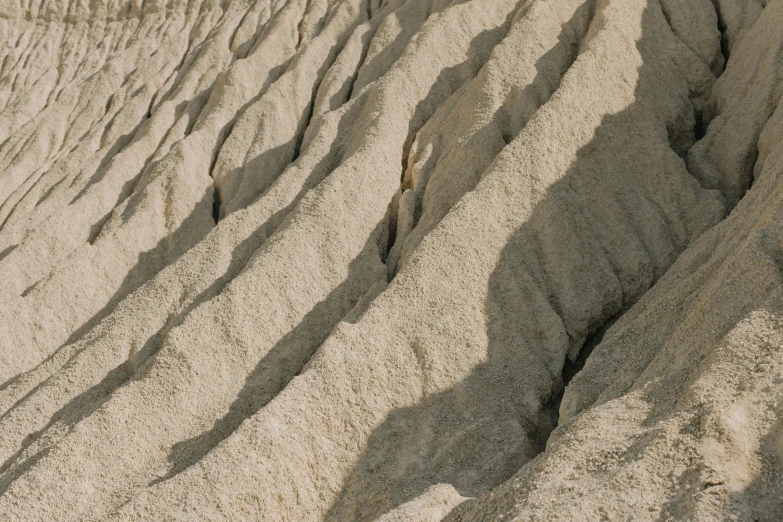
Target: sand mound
(394, 260)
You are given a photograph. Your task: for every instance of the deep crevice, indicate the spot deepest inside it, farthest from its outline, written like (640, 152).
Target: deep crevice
(215, 190)
(700, 125)
(151, 105)
(215, 204)
(724, 41)
(310, 112)
(391, 232)
(572, 367)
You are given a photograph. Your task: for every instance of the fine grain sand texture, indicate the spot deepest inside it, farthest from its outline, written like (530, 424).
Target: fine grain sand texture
(391, 260)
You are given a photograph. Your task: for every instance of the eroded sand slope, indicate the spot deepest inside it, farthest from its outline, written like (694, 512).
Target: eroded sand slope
(337, 260)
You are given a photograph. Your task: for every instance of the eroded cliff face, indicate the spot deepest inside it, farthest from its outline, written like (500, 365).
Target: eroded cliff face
(337, 260)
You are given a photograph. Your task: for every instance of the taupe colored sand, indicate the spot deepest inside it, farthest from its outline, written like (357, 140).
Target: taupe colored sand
(343, 260)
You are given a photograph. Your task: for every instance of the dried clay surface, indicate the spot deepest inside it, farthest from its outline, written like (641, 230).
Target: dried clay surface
(391, 260)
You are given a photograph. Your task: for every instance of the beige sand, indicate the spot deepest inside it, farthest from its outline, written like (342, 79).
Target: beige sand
(338, 260)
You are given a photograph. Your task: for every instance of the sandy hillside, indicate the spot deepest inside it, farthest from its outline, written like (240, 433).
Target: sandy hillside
(391, 260)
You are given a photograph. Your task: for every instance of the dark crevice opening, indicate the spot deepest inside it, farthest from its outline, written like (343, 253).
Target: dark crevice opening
(700, 125)
(215, 204)
(571, 368)
(152, 104)
(752, 176)
(362, 60)
(310, 112)
(391, 234)
(215, 191)
(724, 41)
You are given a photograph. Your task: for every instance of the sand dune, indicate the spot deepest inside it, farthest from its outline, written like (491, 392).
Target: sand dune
(393, 260)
